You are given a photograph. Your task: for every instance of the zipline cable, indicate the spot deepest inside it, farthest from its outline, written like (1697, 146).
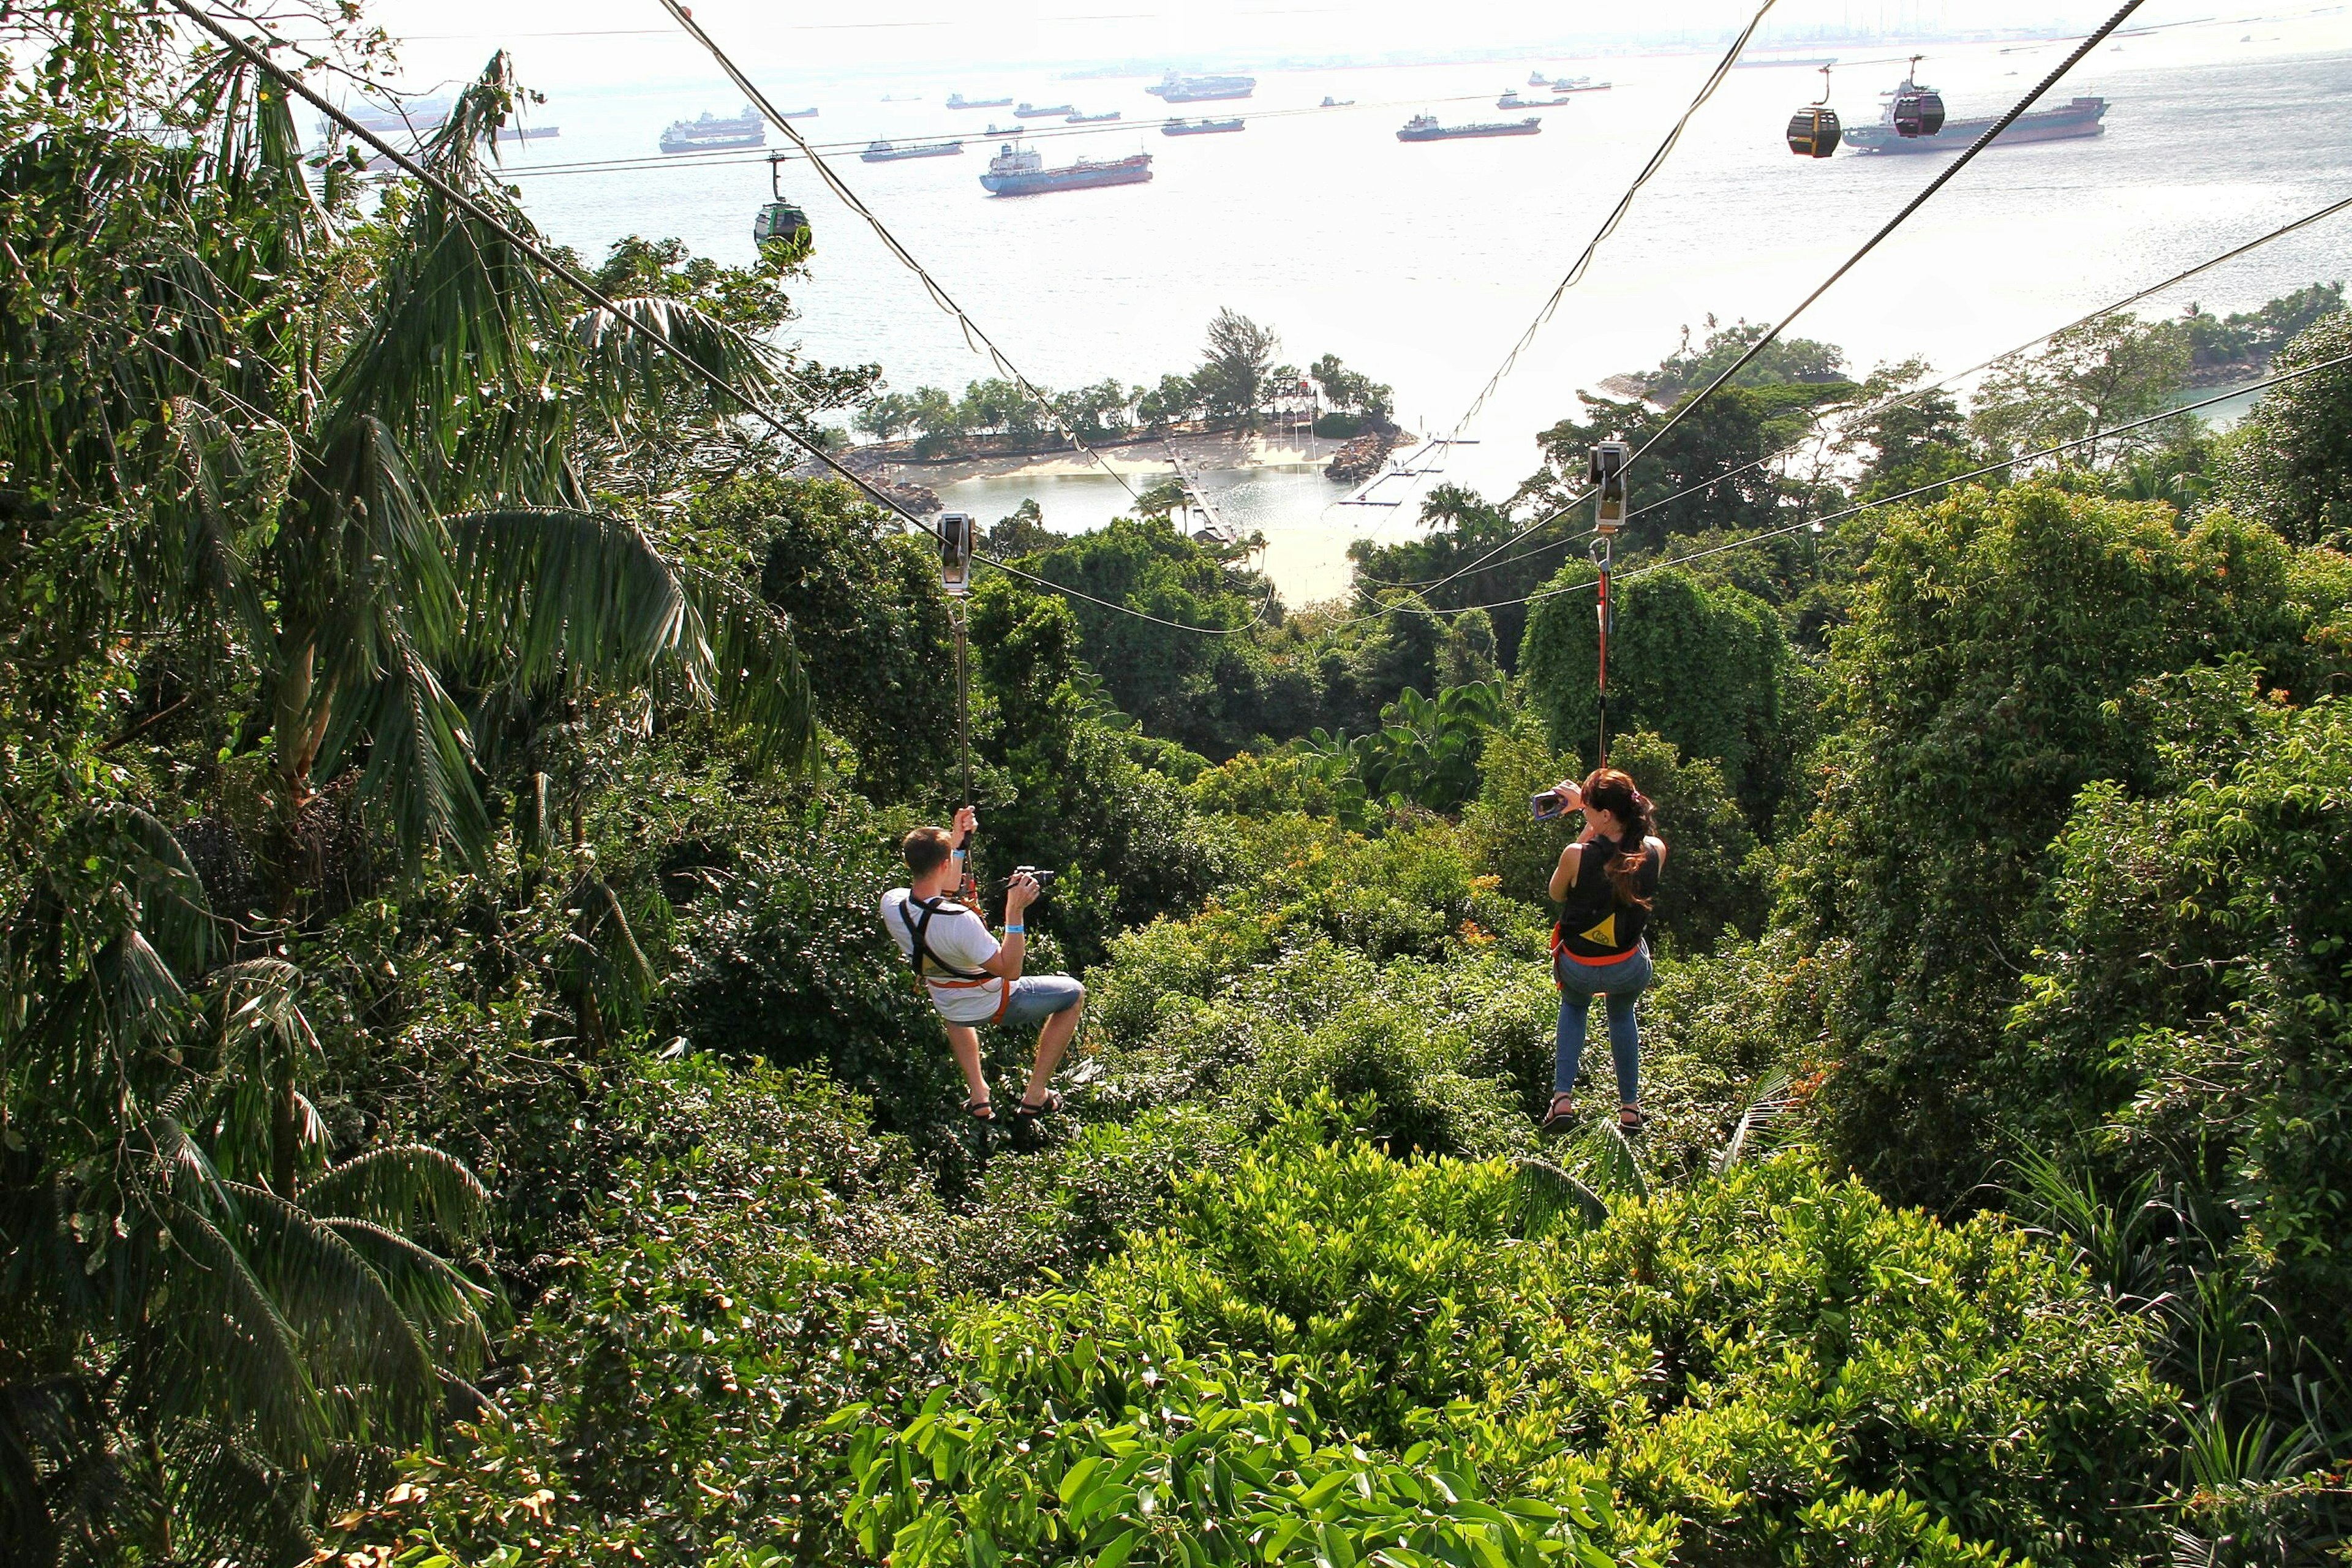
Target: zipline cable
(1609, 225)
(588, 289)
(1695, 400)
(975, 336)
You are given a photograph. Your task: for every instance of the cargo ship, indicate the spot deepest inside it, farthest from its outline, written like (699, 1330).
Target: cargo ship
(710, 133)
(1425, 128)
(958, 101)
(1044, 112)
(890, 153)
(1018, 172)
(1199, 127)
(1513, 100)
(1108, 114)
(1174, 89)
(2082, 117)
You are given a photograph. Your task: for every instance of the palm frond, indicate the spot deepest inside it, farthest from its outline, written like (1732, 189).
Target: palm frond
(625, 370)
(376, 1359)
(1615, 1166)
(401, 1185)
(419, 755)
(1548, 1194)
(560, 592)
(1764, 1106)
(756, 681)
(444, 1304)
(230, 1504)
(233, 1352)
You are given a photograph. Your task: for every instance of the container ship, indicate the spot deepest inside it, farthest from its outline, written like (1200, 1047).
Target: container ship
(890, 153)
(958, 101)
(1018, 172)
(1425, 128)
(1199, 127)
(710, 133)
(1174, 89)
(2082, 117)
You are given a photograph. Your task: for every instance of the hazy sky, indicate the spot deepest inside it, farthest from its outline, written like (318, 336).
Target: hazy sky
(595, 43)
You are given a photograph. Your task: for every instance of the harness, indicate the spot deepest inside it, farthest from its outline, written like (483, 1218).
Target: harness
(924, 961)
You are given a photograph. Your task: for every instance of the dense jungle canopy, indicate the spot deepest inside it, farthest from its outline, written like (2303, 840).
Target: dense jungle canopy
(457, 1108)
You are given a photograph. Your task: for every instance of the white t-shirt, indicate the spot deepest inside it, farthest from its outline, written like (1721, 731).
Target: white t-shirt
(955, 936)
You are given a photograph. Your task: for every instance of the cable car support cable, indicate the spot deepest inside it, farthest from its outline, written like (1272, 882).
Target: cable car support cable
(572, 278)
(975, 337)
(1693, 403)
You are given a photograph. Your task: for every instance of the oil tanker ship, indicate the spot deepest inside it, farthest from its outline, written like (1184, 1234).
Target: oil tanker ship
(1174, 89)
(891, 152)
(2082, 117)
(1018, 172)
(1425, 128)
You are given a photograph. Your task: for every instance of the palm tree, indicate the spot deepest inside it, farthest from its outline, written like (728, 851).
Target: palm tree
(337, 459)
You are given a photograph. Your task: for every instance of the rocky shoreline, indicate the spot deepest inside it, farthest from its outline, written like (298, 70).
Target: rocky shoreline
(1363, 456)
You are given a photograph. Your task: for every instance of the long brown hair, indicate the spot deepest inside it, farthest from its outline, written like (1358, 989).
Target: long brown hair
(1613, 793)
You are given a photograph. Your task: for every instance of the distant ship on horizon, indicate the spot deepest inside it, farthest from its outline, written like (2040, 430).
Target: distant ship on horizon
(1074, 119)
(712, 132)
(1174, 89)
(1512, 100)
(958, 101)
(2068, 121)
(880, 151)
(1044, 112)
(1425, 128)
(1019, 172)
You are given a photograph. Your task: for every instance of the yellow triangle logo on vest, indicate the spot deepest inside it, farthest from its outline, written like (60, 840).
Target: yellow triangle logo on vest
(1604, 934)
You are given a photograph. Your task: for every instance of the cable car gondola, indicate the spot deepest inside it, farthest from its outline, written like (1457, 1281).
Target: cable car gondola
(1918, 111)
(1814, 131)
(781, 219)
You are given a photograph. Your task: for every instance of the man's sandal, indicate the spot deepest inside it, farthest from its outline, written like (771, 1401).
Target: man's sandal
(1049, 1106)
(1630, 1119)
(980, 1109)
(1562, 1114)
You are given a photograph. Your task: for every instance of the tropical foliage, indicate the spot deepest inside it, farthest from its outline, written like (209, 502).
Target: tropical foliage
(457, 1108)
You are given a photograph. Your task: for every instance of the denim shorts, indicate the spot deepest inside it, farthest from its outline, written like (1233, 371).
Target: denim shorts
(1630, 974)
(1037, 998)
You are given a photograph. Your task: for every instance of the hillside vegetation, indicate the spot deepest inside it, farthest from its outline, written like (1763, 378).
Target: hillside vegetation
(457, 1108)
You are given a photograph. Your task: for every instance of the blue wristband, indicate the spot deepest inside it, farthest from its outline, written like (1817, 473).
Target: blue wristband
(1015, 931)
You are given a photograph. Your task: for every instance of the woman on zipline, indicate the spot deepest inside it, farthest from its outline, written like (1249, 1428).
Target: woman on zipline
(1604, 883)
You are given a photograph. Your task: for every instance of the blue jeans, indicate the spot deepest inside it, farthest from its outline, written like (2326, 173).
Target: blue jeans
(1620, 985)
(1037, 998)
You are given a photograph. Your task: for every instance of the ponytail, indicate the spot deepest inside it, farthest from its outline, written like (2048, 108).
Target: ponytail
(1613, 793)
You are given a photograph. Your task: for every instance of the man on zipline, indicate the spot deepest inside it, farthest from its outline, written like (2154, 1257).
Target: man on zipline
(973, 978)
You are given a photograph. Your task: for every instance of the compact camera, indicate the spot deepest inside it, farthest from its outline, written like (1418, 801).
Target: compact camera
(1044, 879)
(1547, 805)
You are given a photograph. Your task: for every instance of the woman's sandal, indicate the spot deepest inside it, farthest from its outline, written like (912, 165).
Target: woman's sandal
(980, 1109)
(1562, 1114)
(1630, 1119)
(1050, 1106)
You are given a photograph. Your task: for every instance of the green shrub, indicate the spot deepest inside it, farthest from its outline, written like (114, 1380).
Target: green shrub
(1771, 1368)
(751, 1269)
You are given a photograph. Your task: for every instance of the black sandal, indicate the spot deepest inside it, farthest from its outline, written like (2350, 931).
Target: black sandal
(1562, 1114)
(980, 1109)
(1630, 1119)
(1049, 1106)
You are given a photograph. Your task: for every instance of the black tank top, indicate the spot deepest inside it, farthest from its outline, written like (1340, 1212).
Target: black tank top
(1592, 924)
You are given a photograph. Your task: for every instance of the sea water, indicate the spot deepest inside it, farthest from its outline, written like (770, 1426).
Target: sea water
(1422, 264)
